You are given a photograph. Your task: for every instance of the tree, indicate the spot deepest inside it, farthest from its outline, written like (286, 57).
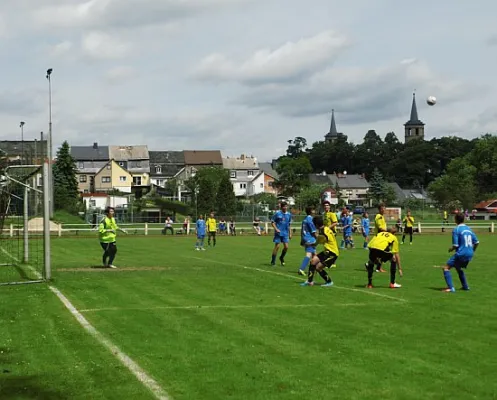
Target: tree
(484, 158)
(266, 198)
(66, 194)
(293, 174)
(171, 187)
(225, 199)
(379, 190)
(203, 188)
(296, 147)
(457, 184)
(310, 196)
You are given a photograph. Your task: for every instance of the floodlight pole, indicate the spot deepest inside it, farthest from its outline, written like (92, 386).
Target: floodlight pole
(46, 222)
(21, 125)
(50, 142)
(25, 226)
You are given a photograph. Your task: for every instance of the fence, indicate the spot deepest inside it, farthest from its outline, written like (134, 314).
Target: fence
(67, 230)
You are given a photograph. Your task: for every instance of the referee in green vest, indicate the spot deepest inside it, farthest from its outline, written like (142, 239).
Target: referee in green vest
(107, 232)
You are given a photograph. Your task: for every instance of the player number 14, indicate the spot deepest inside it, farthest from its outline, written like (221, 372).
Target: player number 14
(469, 240)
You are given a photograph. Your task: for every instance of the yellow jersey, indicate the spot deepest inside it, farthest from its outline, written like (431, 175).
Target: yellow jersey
(380, 223)
(330, 218)
(445, 215)
(327, 238)
(386, 242)
(409, 221)
(211, 224)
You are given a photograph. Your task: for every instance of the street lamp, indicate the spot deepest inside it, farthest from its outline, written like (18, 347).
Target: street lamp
(49, 142)
(21, 125)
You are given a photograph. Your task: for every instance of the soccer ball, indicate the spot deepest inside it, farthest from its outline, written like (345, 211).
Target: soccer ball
(431, 100)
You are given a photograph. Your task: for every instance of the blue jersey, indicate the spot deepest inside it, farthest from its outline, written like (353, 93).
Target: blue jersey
(463, 239)
(282, 221)
(200, 225)
(308, 229)
(365, 226)
(346, 220)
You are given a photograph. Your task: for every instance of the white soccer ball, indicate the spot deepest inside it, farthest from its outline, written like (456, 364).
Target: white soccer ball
(431, 100)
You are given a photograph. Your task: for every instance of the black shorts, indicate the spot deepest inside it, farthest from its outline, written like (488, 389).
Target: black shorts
(376, 256)
(211, 234)
(408, 229)
(327, 258)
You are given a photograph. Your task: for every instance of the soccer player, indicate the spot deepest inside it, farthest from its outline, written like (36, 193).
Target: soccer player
(380, 223)
(365, 229)
(107, 235)
(325, 258)
(408, 226)
(465, 243)
(232, 227)
(347, 222)
(382, 248)
(308, 239)
(330, 218)
(211, 229)
(281, 222)
(257, 227)
(200, 228)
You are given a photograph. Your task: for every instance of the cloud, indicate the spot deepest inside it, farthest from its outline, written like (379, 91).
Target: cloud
(120, 73)
(61, 48)
(492, 40)
(104, 14)
(22, 102)
(101, 45)
(291, 61)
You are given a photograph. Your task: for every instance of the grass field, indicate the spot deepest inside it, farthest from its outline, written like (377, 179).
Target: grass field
(223, 324)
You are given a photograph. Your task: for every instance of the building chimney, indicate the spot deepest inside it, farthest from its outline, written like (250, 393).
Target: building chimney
(242, 157)
(41, 137)
(95, 145)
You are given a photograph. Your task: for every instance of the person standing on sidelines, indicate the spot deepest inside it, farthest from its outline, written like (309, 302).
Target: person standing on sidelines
(307, 239)
(465, 243)
(107, 233)
(281, 223)
(211, 229)
(408, 227)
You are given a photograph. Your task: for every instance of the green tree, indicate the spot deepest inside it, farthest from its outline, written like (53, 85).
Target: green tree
(310, 196)
(266, 198)
(456, 184)
(484, 158)
(65, 184)
(293, 174)
(203, 189)
(376, 186)
(225, 199)
(296, 147)
(171, 187)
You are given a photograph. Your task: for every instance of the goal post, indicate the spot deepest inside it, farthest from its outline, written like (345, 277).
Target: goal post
(24, 224)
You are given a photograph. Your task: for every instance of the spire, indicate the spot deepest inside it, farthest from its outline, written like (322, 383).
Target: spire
(333, 126)
(414, 120)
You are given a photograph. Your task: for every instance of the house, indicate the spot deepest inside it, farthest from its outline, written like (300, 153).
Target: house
(29, 152)
(103, 200)
(270, 177)
(134, 159)
(353, 188)
(242, 171)
(89, 161)
(488, 206)
(164, 165)
(112, 176)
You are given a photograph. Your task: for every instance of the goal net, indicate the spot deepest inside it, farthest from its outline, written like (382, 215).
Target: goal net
(22, 225)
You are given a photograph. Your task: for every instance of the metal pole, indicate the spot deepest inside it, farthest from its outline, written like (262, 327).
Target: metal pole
(25, 226)
(46, 222)
(21, 125)
(50, 142)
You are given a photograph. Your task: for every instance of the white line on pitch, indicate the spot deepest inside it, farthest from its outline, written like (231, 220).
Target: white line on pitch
(198, 307)
(133, 367)
(369, 291)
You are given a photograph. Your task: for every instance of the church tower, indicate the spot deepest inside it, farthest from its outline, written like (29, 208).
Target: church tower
(333, 134)
(414, 128)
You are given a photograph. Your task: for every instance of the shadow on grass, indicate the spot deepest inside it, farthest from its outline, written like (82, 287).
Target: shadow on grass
(26, 387)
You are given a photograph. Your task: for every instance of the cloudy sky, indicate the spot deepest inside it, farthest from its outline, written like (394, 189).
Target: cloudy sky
(244, 75)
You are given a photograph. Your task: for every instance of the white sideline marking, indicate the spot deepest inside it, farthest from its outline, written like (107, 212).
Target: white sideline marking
(218, 306)
(369, 291)
(133, 367)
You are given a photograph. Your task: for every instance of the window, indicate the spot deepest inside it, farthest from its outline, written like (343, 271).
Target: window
(108, 166)
(122, 179)
(250, 173)
(137, 180)
(233, 174)
(81, 165)
(270, 183)
(105, 179)
(138, 164)
(93, 203)
(243, 186)
(158, 169)
(82, 178)
(123, 164)
(160, 182)
(262, 185)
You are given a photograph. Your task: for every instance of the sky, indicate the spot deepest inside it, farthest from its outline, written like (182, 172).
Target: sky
(244, 76)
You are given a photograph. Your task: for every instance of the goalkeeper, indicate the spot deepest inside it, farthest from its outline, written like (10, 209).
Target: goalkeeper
(107, 236)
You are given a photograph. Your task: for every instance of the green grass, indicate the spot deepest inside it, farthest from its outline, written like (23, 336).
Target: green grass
(251, 331)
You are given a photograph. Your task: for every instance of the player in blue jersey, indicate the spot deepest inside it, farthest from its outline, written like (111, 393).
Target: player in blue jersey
(281, 223)
(365, 229)
(347, 222)
(464, 242)
(308, 239)
(200, 228)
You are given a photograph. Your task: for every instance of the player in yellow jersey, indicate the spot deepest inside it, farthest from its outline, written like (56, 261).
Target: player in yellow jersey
(380, 222)
(327, 257)
(382, 248)
(408, 226)
(211, 229)
(329, 217)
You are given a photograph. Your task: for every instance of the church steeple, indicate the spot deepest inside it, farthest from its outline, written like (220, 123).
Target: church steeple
(333, 134)
(414, 128)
